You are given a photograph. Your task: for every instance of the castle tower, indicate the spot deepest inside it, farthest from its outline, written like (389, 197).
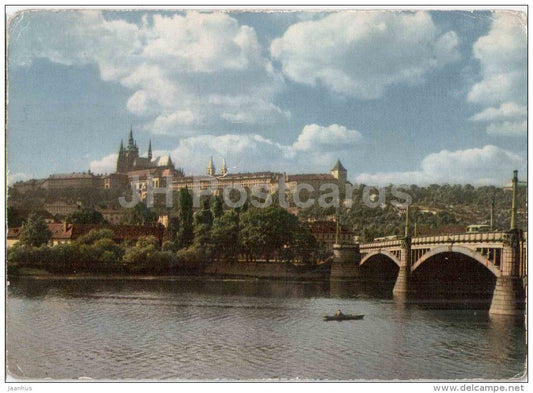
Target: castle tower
(224, 169)
(211, 167)
(339, 172)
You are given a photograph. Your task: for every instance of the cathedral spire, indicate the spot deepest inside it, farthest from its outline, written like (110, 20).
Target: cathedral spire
(224, 168)
(150, 150)
(121, 149)
(211, 167)
(131, 142)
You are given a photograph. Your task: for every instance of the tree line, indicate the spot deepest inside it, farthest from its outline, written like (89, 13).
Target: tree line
(194, 239)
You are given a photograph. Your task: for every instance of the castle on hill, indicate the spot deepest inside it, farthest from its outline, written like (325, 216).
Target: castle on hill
(139, 171)
(129, 160)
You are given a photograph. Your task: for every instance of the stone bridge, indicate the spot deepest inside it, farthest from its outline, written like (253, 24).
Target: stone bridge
(502, 253)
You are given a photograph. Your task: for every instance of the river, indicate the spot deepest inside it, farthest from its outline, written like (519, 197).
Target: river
(210, 329)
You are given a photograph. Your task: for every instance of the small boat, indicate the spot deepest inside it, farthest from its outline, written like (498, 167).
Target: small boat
(343, 317)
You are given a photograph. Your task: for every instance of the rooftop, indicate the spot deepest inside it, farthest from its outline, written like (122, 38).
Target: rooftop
(82, 175)
(338, 166)
(311, 176)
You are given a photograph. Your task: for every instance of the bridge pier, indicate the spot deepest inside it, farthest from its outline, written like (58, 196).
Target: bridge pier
(401, 288)
(346, 260)
(508, 297)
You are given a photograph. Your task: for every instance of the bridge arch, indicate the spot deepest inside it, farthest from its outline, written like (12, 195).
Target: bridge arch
(388, 254)
(460, 250)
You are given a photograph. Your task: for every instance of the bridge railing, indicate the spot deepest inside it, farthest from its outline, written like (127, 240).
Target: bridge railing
(486, 237)
(381, 244)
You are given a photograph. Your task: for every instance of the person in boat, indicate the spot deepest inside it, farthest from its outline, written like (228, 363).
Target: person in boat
(339, 313)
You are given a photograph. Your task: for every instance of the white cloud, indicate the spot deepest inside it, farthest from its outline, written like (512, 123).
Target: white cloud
(169, 123)
(360, 54)
(314, 146)
(478, 166)
(332, 138)
(502, 55)
(15, 177)
(512, 128)
(196, 70)
(243, 153)
(507, 110)
(108, 164)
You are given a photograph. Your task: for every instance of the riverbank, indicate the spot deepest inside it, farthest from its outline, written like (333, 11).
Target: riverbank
(241, 269)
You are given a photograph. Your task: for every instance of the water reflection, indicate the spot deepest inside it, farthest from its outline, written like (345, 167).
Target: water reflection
(246, 329)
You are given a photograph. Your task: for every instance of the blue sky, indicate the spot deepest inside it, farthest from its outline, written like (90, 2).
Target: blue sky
(400, 97)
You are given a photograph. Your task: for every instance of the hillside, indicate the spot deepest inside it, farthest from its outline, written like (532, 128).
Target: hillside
(434, 208)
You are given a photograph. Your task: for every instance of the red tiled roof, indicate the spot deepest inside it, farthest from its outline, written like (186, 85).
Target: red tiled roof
(13, 233)
(60, 230)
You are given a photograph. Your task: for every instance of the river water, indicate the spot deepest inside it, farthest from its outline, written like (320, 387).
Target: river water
(207, 329)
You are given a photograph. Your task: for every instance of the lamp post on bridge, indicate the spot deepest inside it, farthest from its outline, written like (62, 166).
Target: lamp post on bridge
(492, 213)
(513, 206)
(406, 232)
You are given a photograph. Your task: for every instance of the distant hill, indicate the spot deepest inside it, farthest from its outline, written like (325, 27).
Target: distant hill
(435, 208)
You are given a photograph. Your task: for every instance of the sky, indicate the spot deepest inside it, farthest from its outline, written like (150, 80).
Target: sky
(400, 97)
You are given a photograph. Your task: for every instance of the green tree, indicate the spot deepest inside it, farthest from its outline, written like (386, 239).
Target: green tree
(149, 243)
(218, 206)
(304, 243)
(266, 231)
(35, 232)
(146, 257)
(86, 215)
(253, 233)
(185, 234)
(94, 235)
(203, 221)
(14, 219)
(173, 228)
(140, 215)
(225, 235)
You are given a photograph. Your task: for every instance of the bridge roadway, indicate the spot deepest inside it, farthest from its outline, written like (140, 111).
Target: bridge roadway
(504, 254)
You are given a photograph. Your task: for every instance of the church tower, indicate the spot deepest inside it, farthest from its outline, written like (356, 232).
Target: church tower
(127, 155)
(129, 160)
(224, 169)
(211, 167)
